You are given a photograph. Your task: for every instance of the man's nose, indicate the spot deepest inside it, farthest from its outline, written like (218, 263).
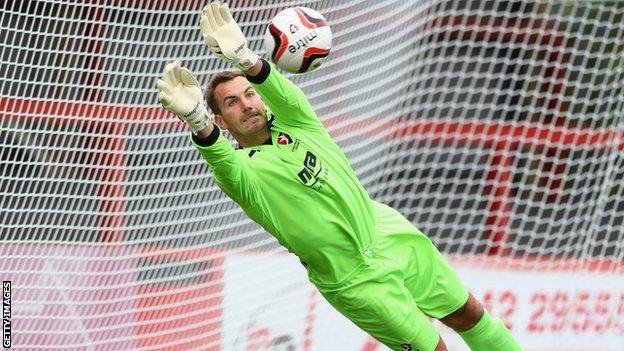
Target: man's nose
(246, 104)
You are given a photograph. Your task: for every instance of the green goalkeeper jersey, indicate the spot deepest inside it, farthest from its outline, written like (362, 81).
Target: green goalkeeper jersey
(299, 186)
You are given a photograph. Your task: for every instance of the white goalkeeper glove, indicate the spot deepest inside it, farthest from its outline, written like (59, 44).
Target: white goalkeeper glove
(179, 92)
(224, 37)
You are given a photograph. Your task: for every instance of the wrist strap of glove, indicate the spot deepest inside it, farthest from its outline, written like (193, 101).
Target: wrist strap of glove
(246, 59)
(197, 119)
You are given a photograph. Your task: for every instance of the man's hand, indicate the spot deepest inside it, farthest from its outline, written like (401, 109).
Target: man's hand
(224, 37)
(179, 92)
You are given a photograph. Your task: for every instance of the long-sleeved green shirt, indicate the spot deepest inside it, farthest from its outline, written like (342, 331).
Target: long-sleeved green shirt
(300, 187)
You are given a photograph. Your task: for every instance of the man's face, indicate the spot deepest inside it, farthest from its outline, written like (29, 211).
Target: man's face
(242, 111)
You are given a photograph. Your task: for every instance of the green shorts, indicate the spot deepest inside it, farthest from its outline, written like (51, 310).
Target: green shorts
(405, 281)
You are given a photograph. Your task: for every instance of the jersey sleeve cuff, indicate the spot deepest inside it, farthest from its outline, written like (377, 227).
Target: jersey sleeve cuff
(210, 140)
(263, 75)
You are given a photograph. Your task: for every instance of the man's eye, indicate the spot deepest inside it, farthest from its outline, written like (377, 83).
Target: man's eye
(230, 103)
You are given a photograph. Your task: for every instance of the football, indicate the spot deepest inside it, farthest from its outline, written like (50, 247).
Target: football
(298, 39)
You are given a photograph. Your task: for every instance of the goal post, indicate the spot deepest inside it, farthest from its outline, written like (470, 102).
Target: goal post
(496, 127)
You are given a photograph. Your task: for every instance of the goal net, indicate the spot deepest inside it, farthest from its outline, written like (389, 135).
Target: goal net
(496, 127)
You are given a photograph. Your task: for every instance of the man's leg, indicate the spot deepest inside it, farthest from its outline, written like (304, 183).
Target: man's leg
(479, 330)
(378, 303)
(435, 287)
(466, 316)
(439, 293)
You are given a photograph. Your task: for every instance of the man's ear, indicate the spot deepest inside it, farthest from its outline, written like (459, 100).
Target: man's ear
(218, 119)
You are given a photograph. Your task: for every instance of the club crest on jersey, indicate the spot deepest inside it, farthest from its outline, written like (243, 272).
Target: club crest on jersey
(284, 139)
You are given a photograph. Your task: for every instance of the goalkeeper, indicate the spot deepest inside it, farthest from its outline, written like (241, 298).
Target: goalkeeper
(366, 259)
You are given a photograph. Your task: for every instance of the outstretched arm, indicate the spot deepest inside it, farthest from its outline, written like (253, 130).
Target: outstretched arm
(228, 43)
(179, 93)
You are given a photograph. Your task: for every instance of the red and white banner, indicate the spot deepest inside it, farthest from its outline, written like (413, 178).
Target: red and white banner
(70, 296)
(550, 310)
(93, 298)
(112, 297)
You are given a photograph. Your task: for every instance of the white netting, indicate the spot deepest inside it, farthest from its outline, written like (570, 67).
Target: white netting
(497, 127)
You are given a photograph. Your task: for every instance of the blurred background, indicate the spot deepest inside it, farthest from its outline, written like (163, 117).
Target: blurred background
(496, 127)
